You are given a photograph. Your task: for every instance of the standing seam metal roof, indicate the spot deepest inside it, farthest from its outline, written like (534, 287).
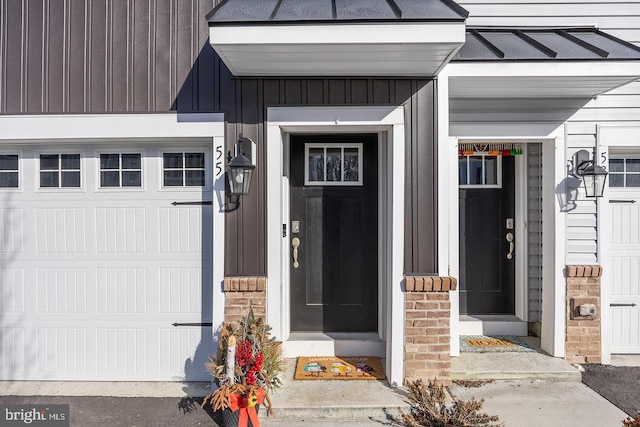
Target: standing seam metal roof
(518, 44)
(316, 11)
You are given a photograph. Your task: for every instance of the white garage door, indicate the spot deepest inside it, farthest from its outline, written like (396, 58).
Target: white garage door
(624, 203)
(97, 264)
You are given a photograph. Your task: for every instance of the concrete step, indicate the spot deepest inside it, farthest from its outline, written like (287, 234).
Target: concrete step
(341, 402)
(513, 366)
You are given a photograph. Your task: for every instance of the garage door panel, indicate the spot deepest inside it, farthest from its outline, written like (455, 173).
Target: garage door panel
(624, 257)
(121, 230)
(61, 230)
(11, 231)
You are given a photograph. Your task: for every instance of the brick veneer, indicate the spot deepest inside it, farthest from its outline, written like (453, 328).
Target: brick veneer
(427, 348)
(582, 339)
(240, 293)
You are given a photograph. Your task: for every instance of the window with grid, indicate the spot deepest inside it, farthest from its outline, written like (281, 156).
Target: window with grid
(60, 170)
(183, 169)
(624, 172)
(479, 171)
(333, 164)
(8, 171)
(120, 170)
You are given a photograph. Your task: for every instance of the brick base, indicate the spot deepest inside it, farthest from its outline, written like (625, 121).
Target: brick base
(427, 348)
(582, 339)
(240, 293)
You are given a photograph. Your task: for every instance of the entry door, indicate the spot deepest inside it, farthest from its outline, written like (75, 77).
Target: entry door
(333, 234)
(487, 243)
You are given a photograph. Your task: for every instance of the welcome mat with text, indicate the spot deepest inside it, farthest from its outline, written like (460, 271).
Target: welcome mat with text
(339, 368)
(489, 344)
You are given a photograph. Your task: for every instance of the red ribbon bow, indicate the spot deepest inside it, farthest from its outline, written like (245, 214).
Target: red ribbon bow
(247, 406)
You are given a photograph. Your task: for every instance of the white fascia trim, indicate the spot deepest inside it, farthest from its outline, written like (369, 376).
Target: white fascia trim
(621, 69)
(44, 127)
(338, 34)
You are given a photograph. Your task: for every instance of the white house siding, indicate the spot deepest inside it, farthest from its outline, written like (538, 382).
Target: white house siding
(534, 232)
(620, 18)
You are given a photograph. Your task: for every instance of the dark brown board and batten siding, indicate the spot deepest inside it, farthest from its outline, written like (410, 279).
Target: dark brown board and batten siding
(139, 56)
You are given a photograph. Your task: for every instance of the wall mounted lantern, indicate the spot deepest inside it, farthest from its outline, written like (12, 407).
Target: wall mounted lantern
(593, 175)
(240, 171)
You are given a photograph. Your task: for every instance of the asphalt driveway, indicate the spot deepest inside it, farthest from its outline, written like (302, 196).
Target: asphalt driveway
(620, 385)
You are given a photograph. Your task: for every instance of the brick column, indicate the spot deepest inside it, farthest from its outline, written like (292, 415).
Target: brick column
(427, 348)
(240, 293)
(582, 339)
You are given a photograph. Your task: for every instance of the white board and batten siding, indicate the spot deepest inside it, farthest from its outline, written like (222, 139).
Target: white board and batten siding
(92, 278)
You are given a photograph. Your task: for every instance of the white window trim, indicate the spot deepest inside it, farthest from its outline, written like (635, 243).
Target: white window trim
(21, 170)
(98, 170)
(326, 183)
(185, 149)
(65, 150)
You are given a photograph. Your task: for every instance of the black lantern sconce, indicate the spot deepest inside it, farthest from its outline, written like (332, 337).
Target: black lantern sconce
(593, 175)
(239, 172)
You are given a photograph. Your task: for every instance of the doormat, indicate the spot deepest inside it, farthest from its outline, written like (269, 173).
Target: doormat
(339, 368)
(494, 344)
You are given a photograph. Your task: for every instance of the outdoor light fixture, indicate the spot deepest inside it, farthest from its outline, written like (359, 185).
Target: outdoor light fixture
(593, 175)
(240, 171)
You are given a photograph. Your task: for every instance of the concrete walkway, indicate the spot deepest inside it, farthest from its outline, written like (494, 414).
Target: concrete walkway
(535, 390)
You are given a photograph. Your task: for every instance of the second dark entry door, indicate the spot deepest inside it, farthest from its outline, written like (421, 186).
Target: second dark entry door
(333, 233)
(487, 230)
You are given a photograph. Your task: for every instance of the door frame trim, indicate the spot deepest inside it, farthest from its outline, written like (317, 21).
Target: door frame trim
(388, 122)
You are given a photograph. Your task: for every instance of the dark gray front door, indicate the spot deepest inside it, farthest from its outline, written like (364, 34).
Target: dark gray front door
(333, 234)
(487, 258)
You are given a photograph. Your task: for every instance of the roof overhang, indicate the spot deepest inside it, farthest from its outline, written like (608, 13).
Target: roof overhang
(338, 49)
(544, 79)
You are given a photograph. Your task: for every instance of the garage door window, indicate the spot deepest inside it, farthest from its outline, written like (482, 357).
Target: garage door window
(624, 172)
(60, 170)
(120, 170)
(9, 171)
(183, 169)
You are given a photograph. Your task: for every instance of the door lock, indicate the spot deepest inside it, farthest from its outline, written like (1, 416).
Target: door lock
(511, 245)
(295, 242)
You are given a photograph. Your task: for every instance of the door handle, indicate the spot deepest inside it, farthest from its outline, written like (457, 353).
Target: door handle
(511, 245)
(295, 242)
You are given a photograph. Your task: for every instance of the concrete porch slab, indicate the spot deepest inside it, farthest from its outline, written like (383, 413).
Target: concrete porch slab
(513, 366)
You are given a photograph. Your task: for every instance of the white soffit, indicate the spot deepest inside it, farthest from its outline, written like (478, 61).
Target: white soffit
(357, 49)
(552, 79)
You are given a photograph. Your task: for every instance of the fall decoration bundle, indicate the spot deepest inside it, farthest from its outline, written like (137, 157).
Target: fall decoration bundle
(247, 367)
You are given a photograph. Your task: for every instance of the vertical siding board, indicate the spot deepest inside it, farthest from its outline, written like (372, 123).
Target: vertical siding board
(163, 98)
(205, 62)
(252, 221)
(97, 81)
(14, 65)
(381, 93)
(337, 92)
(358, 91)
(293, 92)
(55, 58)
(34, 51)
(183, 56)
(315, 92)
(140, 21)
(75, 66)
(118, 49)
(3, 61)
